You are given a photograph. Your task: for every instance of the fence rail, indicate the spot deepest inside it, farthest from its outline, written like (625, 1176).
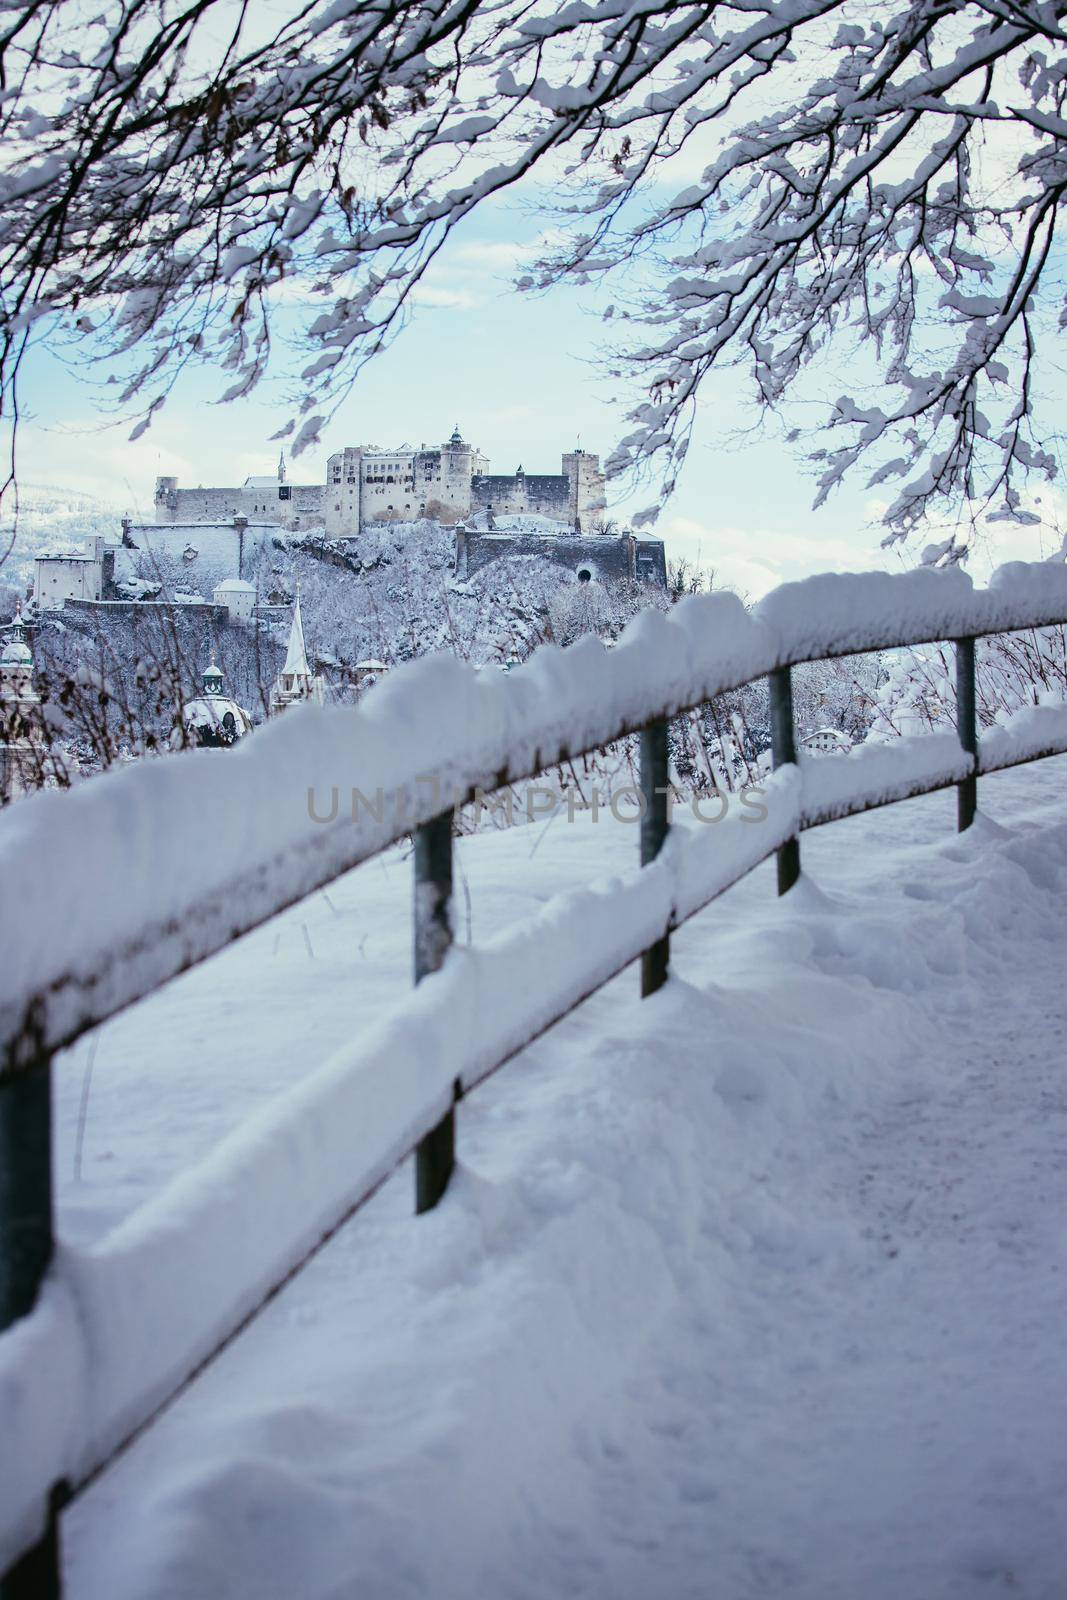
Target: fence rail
(89, 1357)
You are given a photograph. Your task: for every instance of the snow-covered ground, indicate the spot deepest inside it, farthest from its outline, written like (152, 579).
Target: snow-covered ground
(753, 1289)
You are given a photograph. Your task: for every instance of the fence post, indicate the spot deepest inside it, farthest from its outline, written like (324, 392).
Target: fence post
(784, 753)
(435, 1153)
(967, 729)
(655, 825)
(26, 1246)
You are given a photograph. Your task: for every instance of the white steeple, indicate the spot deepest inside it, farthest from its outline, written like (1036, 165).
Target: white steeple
(296, 661)
(296, 681)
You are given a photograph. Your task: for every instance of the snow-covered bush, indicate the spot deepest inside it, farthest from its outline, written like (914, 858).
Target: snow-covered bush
(1012, 670)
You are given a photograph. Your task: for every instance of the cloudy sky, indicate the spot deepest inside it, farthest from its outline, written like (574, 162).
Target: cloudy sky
(519, 376)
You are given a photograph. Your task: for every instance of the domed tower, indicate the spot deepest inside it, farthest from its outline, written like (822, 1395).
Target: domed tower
(213, 720)
(16, 665)
(459, 462)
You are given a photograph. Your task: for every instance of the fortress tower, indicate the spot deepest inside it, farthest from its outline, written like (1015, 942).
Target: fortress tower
(457, 468)
(585, 483)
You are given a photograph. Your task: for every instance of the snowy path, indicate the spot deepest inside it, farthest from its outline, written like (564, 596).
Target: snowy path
(754, 1289)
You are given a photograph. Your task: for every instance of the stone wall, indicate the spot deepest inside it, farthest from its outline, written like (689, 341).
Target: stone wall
(523, 494)
(285, 505)
(603, 558)
(104, 609)
(198, 555)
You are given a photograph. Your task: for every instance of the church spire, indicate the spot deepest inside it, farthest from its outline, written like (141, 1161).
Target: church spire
(296, 681)
(281, 466)
(296, 661)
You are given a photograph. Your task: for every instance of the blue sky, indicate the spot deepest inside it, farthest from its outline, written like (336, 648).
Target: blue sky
(518, 374)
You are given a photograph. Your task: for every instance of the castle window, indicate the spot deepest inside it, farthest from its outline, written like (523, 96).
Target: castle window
(584, 575)
(285, 491)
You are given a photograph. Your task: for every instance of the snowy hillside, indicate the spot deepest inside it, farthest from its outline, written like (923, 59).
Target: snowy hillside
(49, 516)
(753, 1289)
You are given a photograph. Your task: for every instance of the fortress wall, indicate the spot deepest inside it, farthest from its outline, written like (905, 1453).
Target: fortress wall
(390, 502)
(306, 506)
(607, 558)
(303, 506)
(200, 505)
(542, 494)
(220, 551)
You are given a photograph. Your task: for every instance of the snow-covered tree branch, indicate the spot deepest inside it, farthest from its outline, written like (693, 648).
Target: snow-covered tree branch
(776, 183)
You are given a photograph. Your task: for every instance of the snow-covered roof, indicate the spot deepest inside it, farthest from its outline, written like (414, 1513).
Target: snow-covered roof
(270, 482)
(235, 586)
(16, 654)
(210, 710)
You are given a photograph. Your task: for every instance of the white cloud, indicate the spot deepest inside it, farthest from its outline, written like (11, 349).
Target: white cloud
(432, 294)
(755, 560)
(499, 255)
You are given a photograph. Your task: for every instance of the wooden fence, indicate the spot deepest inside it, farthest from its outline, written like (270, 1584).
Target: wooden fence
(563, 705)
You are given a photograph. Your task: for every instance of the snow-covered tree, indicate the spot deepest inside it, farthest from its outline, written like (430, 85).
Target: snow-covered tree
(791, 177)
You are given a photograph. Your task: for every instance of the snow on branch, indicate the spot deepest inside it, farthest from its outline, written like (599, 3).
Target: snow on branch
(892, 181)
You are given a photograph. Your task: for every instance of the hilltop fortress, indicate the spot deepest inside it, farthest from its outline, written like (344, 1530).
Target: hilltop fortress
(366, 484)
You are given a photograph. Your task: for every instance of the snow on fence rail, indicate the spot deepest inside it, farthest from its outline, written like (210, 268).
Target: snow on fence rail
(98, 1343)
